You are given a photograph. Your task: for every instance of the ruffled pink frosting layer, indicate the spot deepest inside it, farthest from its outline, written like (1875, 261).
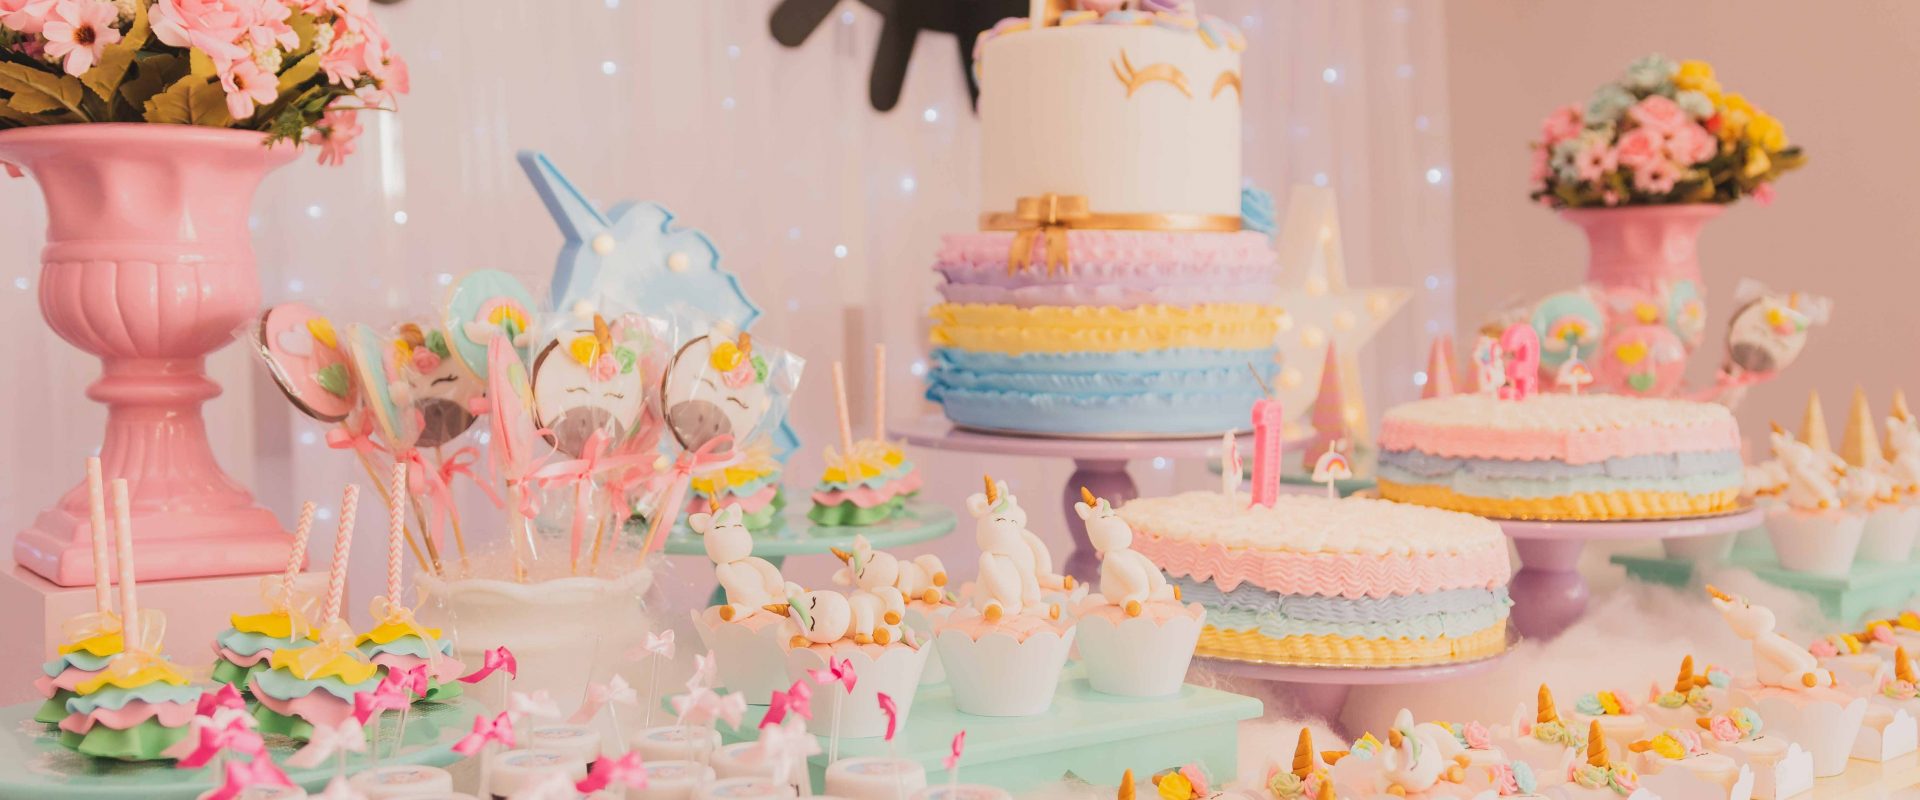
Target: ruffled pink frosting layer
(1572, 447)
(1019, 626)
(748, 505)
(444, 669)
(317, 707)
(1352, 575)
(68, 679)
(1112, 268)
(171, 715)
(870, 496)
(240, 660)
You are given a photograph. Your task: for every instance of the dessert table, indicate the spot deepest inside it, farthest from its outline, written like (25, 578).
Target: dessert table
(34, 766)
(1098, 464)
(1548, 591)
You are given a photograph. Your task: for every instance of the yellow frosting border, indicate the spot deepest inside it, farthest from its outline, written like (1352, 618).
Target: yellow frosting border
(1589, 506)
(983, 315)
(106, 644)
(1065, 334)
(1251, 645)
(273, 623)
(156, 672)
(387, 632)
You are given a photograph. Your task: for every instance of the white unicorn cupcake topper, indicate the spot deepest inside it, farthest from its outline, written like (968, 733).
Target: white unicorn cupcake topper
(1127, 578)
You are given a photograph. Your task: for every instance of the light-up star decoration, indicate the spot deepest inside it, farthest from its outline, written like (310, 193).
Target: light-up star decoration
(1320, 309)
(632, 254)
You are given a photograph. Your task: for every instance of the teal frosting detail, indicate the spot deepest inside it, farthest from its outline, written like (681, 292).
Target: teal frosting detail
(1513, 488)
(748, 488)
(875, 482)
(1256, 211)
(1589, 705)
(247, 644)
(1343, 610)
(408, 645)
(115, 698)
(78, 660)
(282, 685)
(1651, 465)
(1431, 626)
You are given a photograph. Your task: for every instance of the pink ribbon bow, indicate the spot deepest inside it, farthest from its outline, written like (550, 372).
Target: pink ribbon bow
(892, 711)
(657, 644)
(953, 757)
(224, 697)
(796, 700)
(626, 771)
(702, 706)
(388, 696)
(838, 669)
(580, 473)
(532, 704)
(599, 695)
(329, 740)
(497, 658)
(339, 789)
(356, 434)
(242, 775)
(412, 680)
(210, 740)
(707, 458)
(424, 482)
(499, 729)
(782, 745)
(461, 462)
(703, 672)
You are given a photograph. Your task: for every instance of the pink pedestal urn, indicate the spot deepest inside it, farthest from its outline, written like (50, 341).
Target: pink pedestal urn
(148, 266)
(1645, 261)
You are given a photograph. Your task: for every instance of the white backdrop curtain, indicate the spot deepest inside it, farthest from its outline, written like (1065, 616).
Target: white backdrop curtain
(831, 212)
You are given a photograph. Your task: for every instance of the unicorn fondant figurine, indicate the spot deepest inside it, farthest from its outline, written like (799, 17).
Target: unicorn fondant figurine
(1777, 660)
(1127, 578)
(751, 582)
(1009, 582)
(1417, 756)
(884, 574)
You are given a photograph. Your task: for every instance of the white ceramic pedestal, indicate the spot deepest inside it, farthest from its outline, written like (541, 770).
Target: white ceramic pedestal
(197, 609)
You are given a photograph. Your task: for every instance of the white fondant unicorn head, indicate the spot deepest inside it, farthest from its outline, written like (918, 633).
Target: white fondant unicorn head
(820, 616)
(726, 537)
(1105, 529)
(1128, 578)
(1417, 756)
(1008, 581)
(1777, 660)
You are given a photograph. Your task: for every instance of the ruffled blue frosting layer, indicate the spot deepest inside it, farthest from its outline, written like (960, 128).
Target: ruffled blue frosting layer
(1651, 466)
(78, 659)
(1159, 413)
(247, 644)
(282, 685)
(1452, 613)
(1164, 392)
(115, 698)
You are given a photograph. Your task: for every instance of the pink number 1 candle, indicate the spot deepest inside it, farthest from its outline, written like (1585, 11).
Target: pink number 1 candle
(1266, 451)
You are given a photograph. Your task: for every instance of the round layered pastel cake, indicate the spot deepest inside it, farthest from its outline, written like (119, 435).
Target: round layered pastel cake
(1562, 457)
(1110, 290)
(1349, 582)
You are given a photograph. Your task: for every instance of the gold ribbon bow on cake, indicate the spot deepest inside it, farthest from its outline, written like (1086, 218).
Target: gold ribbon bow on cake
(1052, 215)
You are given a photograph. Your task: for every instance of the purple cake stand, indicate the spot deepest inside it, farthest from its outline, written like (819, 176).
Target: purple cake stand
(1321, 692)
(1098, 464)
(1548, 592)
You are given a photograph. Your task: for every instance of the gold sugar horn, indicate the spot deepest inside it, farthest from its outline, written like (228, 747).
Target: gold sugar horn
(1597, 746)
(1714, 591)
(1088, 497)
(1303, 755)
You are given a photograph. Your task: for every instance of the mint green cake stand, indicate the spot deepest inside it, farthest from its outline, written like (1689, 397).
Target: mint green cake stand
(33, 765)
(1095, 736)
(1848, 598)
(795, 535)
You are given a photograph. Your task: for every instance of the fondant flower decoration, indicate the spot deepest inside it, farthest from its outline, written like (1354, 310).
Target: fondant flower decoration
(1173, 786)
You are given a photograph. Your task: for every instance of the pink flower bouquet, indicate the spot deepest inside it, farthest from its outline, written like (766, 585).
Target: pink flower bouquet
(293, 69)
(1661, 133)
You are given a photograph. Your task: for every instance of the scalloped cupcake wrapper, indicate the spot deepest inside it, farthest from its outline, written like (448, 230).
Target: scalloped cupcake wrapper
(896, 672)
(995, 676)
(1138, 658)
(750, 662)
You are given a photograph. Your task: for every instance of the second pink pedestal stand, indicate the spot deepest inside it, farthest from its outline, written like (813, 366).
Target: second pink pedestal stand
(1098, 464)
(1321, 692)
(1548, 592)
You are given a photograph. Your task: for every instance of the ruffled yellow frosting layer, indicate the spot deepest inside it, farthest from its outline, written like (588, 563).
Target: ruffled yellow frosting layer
(1251, 645)
(1580, 506)
(273, 623)
(889, 458)
(104, 645)
(388, 632)
(155, 671)
(345, 666)
(1069, 329)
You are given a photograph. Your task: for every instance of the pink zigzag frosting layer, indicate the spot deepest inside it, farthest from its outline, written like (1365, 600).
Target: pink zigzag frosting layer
(870, 496)
(1351, 575)
(171, 715)
(317, 707)
(1572, 447)
(240, 660)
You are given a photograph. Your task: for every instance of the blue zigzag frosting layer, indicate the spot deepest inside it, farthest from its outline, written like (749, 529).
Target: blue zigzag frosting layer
(1177, 359)
(115, 698)
(1453, 613)
(1159, 413)
(1650, 466)
(78, 659)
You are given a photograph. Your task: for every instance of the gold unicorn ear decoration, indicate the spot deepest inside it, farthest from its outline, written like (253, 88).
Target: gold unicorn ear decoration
(1228, 79)
(1134, 78)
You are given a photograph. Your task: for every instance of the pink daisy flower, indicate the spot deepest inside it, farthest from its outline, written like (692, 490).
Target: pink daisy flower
(78, 31)
(247, 85)
(335, 136)
(1657, 177)
(25, 16)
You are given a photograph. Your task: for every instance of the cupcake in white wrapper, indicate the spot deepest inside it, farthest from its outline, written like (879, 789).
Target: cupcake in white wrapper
(893, 669)
(1135, 637)
(1892, 523)
(1855, 670)
(672, 780)
(1790, 690)
(875, 778)
(749, 653)
(1620, 720)
(1677, 763)
(923, 617)
(1815, 530)
(1006, 668)
(1890, 531)
(1781, 769)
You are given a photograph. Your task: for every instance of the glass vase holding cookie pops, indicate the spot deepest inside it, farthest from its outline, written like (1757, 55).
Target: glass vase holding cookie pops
(147, 127)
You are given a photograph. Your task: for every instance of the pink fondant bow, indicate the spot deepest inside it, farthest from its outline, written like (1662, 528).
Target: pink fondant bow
(838, 669)
(242, 775)
(388, 696)
(210, 740)
(892, 711)
(499, 729)
(497, 658)
(626, 771)
(412, 680)
(796, 700)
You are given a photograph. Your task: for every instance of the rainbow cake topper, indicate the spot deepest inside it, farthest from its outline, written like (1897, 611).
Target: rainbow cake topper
(482, 305)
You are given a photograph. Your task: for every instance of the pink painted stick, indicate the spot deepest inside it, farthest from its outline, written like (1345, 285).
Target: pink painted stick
(123, 540)
(337, 576)
(396, 532)
(840, 407)
(97, 518)
(297, 558)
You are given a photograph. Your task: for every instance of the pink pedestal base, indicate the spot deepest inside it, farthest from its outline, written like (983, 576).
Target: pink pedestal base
(1321, 692)
(196, 609)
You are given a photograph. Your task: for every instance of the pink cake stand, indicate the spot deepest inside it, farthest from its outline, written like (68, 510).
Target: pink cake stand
(1548, 592)
(1321, 692)
(1098, 464)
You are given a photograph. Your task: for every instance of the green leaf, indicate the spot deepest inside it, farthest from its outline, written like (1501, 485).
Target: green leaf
(35, 91)
(105, 77)
(305, 26)
(201, 63)
(192, 100)
(151, 75)
(8, 114)
(301, 72)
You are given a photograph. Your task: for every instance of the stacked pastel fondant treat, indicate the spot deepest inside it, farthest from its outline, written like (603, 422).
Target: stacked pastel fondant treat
(313, 684)
(867, 481)
(1110, 289)
(752, 484)
(1562, 456)
(1349, 582)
